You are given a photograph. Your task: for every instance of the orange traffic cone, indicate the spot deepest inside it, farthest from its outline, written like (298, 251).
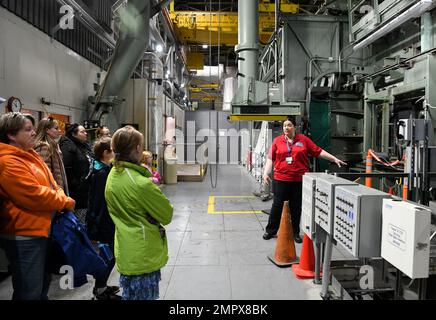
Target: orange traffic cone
(285, 254)
(306, 268)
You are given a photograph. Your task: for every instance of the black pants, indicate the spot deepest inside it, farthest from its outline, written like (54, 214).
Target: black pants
(101, 281)
(285, 191)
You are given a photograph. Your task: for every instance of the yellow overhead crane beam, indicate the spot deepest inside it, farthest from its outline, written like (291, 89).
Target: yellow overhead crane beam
(204, 27)
(257, 117)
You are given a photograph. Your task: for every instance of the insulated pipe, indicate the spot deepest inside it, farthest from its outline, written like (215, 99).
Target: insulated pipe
(426, 34)
(248, 42)
(134, 37)
(276, 43)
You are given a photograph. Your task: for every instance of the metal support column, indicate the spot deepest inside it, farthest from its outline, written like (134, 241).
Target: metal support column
(317, 279)
(385, 127)
(326, 268)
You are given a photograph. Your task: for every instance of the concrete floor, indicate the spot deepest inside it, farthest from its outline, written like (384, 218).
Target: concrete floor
(215, 256)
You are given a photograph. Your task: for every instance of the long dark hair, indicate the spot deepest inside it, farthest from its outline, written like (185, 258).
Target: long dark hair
(71, 129)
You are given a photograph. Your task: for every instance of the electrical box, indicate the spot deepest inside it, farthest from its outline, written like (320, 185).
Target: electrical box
(308, 202)
(324, 200)
(358, 219)
(406, 237)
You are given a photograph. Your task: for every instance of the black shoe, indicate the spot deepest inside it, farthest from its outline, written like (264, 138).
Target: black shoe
(297, 239)
(113, 289)
(108, 294)
(267, 236)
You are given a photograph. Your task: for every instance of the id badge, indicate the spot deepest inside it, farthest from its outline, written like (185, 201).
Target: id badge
(289, 160)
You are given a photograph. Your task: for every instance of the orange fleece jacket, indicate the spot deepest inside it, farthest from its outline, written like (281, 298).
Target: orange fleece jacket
(29, 195)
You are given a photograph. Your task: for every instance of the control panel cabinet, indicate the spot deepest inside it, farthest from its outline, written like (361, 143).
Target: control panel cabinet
(308, 202)
(358, 219)
(406, 237)
(324, 200)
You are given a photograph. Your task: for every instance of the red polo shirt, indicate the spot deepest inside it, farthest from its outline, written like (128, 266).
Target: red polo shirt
(300, 150)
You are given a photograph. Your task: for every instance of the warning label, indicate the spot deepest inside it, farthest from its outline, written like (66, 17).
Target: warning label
(397, 237)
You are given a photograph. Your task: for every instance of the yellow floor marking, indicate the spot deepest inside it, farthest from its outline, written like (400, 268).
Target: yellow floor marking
(235, 212)
(211, 206)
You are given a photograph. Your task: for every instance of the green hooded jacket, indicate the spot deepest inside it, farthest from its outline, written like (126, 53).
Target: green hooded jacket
(131, 199)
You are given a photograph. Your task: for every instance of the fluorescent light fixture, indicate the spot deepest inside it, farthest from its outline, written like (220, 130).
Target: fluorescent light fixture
(413, 12)
(159, 48)
(204, 46)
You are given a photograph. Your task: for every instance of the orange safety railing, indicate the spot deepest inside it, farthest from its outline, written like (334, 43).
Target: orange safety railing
(368, 180)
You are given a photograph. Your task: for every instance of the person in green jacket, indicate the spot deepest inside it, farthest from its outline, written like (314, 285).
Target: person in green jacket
(138, 209)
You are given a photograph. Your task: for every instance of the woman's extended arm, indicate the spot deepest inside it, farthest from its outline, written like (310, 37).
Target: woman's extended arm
(325, 155)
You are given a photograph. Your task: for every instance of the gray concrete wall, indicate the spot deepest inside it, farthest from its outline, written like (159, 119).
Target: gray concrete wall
(32, 66)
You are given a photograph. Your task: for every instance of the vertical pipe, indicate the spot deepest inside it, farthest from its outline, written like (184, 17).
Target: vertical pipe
(248, 42)
(276, 43)
(426, 34)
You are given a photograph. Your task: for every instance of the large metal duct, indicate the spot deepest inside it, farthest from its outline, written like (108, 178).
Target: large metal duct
(129, 50)
(133, 41)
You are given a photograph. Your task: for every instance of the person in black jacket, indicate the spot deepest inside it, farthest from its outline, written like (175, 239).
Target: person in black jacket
(78, 157)
(100, 227)
(98, 222)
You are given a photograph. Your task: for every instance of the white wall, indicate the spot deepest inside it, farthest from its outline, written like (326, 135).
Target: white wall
(31, 67)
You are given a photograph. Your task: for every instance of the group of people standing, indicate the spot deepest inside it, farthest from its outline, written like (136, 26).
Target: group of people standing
(113, 191)
(44, 173)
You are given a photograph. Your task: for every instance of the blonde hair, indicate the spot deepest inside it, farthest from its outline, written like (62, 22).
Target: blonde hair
(124, 144)
(42, 136)
(146, 154)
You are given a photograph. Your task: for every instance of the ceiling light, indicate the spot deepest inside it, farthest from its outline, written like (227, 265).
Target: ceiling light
(159, 48)
(413, 12)
(204, 46)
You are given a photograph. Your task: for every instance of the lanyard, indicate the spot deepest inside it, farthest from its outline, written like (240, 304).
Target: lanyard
(289, 147)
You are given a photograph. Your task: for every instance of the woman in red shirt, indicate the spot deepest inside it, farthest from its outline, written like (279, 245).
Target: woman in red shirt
(289, 154)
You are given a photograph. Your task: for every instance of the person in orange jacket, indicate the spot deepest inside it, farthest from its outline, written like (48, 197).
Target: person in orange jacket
(29, 199)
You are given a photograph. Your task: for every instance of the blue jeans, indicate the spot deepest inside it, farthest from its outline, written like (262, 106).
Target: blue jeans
(27, 260)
